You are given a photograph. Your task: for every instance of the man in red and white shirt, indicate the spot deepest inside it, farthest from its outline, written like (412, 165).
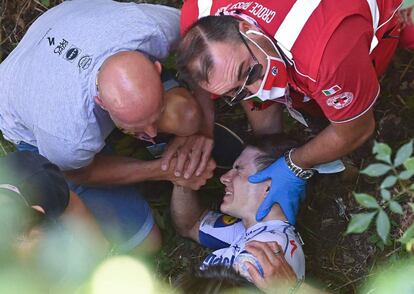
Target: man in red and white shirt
(314, 56)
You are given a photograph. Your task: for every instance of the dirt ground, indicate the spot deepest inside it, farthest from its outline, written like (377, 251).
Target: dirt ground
(335, 261)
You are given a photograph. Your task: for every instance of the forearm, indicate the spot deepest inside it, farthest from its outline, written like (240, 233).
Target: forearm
(117, 170)
(334, 141)
(267, 121)
(186, 211)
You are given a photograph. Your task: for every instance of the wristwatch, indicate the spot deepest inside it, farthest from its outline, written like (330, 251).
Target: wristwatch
(303, 173)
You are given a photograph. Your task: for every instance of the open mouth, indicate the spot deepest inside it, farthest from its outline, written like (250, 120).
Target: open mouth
(145, 137)
(228, 194)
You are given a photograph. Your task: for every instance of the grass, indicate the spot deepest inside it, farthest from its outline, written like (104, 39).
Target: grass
(5, 146)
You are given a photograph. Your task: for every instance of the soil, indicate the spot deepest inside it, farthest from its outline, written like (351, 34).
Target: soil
(335, 261)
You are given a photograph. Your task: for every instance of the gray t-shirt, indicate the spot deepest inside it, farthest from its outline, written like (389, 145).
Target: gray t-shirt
(48, 82)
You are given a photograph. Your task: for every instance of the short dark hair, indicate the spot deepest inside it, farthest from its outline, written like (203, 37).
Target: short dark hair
(213, 280)
(271, 147)
(195, 46)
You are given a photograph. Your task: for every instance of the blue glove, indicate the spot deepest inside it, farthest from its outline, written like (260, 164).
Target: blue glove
(286, 189)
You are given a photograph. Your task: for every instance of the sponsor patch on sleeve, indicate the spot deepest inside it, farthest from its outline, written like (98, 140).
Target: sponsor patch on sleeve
(341, 100)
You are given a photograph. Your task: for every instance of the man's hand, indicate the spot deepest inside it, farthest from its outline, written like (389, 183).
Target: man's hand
(194, 182)
(195, 149)
(278, 275)
(286, 189)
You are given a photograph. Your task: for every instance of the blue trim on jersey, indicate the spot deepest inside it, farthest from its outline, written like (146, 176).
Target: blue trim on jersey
(251, 234)
(287, 239)
(211, 242)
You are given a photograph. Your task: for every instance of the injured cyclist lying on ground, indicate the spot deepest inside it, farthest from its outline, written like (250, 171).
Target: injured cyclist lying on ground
(240, 242)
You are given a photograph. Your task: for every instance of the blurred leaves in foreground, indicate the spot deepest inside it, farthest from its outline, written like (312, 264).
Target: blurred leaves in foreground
(64, 258)
(395, 278)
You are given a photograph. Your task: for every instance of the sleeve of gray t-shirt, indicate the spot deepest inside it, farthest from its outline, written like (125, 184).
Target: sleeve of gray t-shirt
(66, 155)
(167, 22)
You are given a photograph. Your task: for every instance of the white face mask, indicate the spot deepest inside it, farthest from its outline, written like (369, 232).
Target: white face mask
(274, 83)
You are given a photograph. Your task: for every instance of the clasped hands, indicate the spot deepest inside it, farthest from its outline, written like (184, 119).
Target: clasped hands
(188, 162)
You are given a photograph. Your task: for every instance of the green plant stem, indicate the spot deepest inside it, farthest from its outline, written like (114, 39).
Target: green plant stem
(405, 189)
(400, 182)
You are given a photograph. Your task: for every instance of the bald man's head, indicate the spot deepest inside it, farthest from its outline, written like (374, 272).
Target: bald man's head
(130, 90)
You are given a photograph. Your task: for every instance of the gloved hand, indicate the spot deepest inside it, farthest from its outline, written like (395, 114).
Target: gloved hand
(286, 189)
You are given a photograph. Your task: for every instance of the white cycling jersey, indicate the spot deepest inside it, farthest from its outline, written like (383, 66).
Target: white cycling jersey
(228, 236)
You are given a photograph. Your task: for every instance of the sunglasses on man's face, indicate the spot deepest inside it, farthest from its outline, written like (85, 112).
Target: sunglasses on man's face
(253, 74)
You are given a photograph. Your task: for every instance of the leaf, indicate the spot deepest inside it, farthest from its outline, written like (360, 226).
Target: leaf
(376, 169)
(405, 175)
(382, 151)
(411, 205)
(385, 194)
(45, 3)
(388, 182)
(409, 164)
(360, 222)
(395, 207)
(407, 3)
(366, 200)
(408, 234)
(373, 239)
(411, 187)
(403, 153)
(380, 245)
(409, 246)
(383, 225)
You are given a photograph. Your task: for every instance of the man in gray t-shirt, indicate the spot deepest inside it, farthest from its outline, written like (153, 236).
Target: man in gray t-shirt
(83, 68)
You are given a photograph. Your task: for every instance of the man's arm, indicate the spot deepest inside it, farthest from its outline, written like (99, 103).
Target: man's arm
(267, 121)
(118, 170)
(193, 152)
(337, 140)
(186, 212)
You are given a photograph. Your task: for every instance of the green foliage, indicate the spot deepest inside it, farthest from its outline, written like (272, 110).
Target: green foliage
(393, 189)
(385, 194)
(360, 222)
(388, 182)
(395, 207)
(383, 225)
(403, 154)
(383, 152)
(405, 175)
(409, 164)
(376, 169)
(395, 277)
(5, 146)
(408, 235)
(366, 200)
(45, 3)
(407, 3)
